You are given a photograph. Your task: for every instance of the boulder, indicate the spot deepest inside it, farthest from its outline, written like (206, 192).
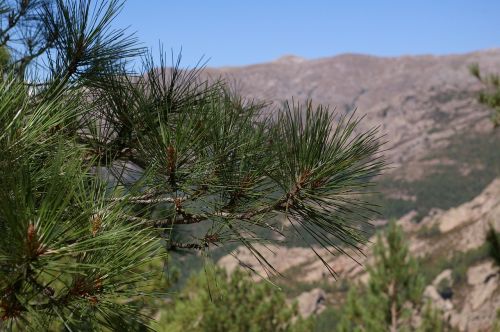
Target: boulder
(312, 302)
(483, 292)
(478, 274)
(446, 274)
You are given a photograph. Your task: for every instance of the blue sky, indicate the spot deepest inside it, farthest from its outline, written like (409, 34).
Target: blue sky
(234, 33)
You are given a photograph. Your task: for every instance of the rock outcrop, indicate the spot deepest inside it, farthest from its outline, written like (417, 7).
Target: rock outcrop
(312, 302)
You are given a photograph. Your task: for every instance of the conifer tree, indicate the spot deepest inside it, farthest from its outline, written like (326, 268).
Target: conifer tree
(393, 293)
(99, 165)
(432, 320)
(213, 301)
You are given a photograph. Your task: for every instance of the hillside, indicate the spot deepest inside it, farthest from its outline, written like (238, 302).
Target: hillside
(449, 244)
(440, 142)
(418, 101)
(442, 186)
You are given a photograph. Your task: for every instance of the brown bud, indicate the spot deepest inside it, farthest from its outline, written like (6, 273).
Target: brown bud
(96, 223)
(171, 159)
(178, 202)
(31, 233)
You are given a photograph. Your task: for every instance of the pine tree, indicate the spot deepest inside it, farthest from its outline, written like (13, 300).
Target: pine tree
(393, 293)
(100, 165)
(432, 320)
(213, 301)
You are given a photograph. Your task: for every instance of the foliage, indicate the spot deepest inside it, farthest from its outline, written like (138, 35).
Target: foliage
(101, 167)
(458, 263)
(444, 288)
(4, 58)
(427, 232)
(493, 243)
(64, 253)
(444, 186)
(326, 320)
(496, 323)
(490, 96)
(432, 320)
(215, 301)
(393, 293)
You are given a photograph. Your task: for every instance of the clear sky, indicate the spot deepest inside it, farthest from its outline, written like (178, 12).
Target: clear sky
(233, 33)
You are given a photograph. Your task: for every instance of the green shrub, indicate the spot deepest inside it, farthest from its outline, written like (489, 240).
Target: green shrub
(429, 232)
(493, 243)
(394, 282)
(458, 263)
(214, 301)
(326, 320)
(444, 288)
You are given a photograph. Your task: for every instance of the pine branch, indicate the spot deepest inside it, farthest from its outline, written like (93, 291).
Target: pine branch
(13, 19)
(149, 198)
(179, 245)
(94, 159)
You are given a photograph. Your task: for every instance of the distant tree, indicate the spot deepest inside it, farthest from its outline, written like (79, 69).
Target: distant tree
(213, 301)
(432, 320)
(393, 293)
(490, 96)
(496, 323)
(100, 165)
(493, 243)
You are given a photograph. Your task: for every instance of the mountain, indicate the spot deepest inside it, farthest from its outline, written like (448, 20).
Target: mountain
(440, 142)
(443, 186)
(419, 101)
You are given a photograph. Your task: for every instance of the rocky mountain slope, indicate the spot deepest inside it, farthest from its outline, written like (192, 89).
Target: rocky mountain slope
(440, 142)
(418, 101)
(450, 245)
(443, 185)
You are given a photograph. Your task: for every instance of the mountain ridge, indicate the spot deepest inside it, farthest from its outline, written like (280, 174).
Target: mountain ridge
(425, 107)
(291, 56)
